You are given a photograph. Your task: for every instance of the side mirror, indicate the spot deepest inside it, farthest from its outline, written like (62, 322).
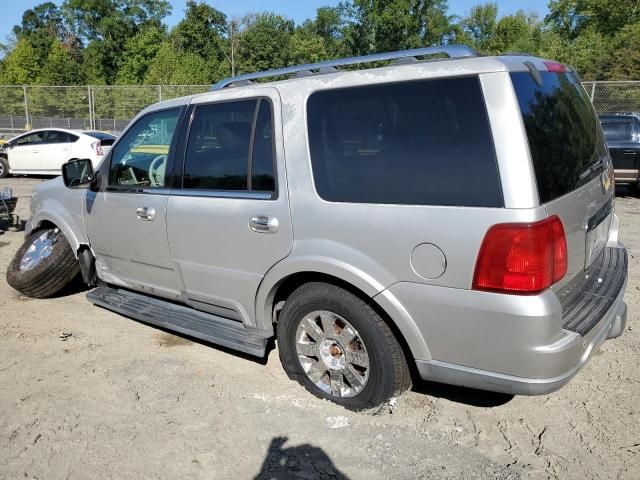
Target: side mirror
(78, 173)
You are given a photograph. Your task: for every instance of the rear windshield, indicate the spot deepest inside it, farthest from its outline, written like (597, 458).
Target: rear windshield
(100, 135)
(416, 143)
(562, 128)
(617, 130)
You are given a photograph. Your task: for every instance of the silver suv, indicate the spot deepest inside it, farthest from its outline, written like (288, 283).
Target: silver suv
(450, 218)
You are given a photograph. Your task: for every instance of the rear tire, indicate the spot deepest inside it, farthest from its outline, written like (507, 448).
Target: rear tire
(43, 275)
(4, 167)
(360, 374)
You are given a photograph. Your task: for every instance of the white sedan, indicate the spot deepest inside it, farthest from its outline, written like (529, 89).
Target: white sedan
(44, 151)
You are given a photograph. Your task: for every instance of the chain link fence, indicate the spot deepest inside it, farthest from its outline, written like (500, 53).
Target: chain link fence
(108, 108)
(614, 97)
(111, 107)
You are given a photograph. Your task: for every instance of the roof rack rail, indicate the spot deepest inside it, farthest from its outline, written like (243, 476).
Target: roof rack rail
(452, 51)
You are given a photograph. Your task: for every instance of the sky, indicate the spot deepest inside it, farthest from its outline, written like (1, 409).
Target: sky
(299, 10)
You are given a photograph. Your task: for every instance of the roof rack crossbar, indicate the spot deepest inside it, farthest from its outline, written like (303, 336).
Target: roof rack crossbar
(452, 51)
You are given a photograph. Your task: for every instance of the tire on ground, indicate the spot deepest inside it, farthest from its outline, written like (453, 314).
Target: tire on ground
(389, 374)
(4, 167)
(49, 276)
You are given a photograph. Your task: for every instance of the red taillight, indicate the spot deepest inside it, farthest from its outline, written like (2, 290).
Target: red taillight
(522, 257)
(98, 148)
(556, 67)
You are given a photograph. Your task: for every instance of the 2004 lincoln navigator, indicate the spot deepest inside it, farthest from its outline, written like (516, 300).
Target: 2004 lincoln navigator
(453, 218)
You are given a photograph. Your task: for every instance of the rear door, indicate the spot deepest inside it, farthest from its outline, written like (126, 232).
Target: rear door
(229, 222)
(55, 149)
(623, 140)
(570, 160)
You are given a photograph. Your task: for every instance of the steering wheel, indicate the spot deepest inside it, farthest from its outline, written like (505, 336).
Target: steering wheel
(156, 170)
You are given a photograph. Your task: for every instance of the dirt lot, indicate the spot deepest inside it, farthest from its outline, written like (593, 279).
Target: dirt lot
(86, 393)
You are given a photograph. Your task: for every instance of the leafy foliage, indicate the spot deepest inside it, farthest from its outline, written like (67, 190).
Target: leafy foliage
(125, 42)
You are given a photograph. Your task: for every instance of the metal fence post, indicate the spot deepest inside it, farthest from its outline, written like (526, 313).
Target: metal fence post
(90, 101)
(593, 91)
(159, 93)
(26, 107)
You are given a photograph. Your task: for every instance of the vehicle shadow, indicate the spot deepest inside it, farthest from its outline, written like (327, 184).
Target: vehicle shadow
(294, 463)
(73, 287)
(625, 190)
(464, 395)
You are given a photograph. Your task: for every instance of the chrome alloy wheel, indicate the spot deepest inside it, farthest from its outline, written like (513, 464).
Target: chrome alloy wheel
(39, 249)
(332, 354)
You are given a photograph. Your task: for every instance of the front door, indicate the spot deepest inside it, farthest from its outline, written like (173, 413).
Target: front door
(24, 156)
(126, 219)
(229, 222)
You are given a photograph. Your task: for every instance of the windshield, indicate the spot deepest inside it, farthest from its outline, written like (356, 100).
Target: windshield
(564, 136)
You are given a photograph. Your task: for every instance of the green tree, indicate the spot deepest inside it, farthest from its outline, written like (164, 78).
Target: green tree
(520, 32)
(570, 17)
(139, 52)
(329, 25)
(386, 25)
(480, 25)
(41, 26)
(202, 31)
(21, 65)
(175, 67)
(305, 47)
(624, 62)
(60, 67)
(107, 25)
(264, 44)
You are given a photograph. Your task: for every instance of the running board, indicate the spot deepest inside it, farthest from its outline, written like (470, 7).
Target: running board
(188, 321)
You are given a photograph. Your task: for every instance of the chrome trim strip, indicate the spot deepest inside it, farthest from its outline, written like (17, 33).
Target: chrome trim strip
(222, 194)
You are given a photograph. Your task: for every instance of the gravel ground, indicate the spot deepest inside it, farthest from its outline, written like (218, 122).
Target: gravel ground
(86, 393)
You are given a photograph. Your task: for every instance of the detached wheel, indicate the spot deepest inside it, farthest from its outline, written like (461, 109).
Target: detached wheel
(4, 168)
(43, 265)
(337, 347)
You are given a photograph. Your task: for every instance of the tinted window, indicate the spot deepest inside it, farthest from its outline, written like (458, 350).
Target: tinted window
(56, 136)
(140, 158)
(262, 173)
(422, 143)
(562, 129)
(219, 150)
(33, 139)
(617, 130)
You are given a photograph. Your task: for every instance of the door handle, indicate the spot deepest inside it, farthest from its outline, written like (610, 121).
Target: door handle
(260, 224)
(146, 213)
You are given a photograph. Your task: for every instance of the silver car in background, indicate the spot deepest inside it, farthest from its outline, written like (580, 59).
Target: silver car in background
(451, 219)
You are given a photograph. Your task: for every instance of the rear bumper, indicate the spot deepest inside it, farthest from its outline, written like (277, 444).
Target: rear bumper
(527, 345)
(612, 326)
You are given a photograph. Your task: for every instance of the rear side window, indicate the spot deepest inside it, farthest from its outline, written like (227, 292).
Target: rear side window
(618, 130)
(56, 136)
(418, 143)
(230, 147)
(562, 129)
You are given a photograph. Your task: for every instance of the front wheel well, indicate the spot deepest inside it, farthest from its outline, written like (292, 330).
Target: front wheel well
(45, 224)
(289, 284)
